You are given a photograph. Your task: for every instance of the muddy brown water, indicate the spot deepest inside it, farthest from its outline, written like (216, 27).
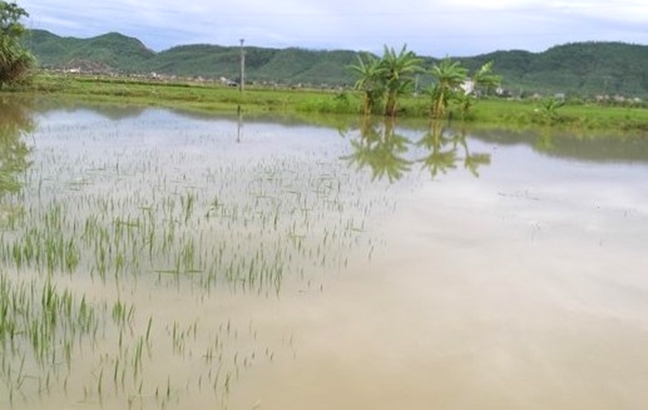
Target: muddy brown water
(274, 265)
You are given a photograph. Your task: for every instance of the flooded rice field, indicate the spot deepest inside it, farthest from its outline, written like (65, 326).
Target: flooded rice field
(159, 260)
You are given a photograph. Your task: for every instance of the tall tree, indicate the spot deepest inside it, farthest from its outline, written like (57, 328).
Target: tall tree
(452, 84)
(448, 77)
(486, 79)
(15, 60)
(398, 72)
(386, 79)
(370, 82)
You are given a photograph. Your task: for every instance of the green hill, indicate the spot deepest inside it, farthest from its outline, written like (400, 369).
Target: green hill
(586, 69)
(112, 52)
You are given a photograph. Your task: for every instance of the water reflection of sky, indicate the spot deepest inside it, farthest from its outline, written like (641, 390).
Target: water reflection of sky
(542, 247)
(512, 163)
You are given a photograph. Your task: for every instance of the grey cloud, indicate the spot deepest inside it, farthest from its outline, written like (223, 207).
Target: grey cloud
(437, 28)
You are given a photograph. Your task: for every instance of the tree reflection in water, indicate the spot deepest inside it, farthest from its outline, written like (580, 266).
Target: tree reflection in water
(388, 153)
(381, 149)
(15, 123)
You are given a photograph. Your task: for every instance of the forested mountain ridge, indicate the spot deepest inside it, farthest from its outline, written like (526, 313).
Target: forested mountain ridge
(111, 51)
(117, 53)
(587, 69)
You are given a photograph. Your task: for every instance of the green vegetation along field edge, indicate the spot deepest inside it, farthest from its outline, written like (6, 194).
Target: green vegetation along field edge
(208, 97)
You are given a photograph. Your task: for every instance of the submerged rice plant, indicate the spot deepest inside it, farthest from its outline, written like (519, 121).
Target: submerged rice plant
(127, 273)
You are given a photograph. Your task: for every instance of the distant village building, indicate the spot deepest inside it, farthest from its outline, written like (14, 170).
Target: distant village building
(228, 82)
(468, 86)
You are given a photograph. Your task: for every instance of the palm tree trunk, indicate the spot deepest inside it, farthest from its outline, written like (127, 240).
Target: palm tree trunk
(390, 106)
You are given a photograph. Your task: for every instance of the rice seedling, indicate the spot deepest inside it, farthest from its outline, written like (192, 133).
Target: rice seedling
(120, 244)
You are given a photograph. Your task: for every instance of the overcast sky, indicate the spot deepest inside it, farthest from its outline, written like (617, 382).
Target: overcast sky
(435, 28)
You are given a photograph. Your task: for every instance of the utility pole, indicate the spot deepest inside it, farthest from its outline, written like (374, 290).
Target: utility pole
(242, 66)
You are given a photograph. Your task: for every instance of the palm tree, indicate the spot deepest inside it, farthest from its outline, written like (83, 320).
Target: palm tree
(465, 102)
(448, 77)
(390, 76)
(370, 81)
(398, 73)
(485, 78)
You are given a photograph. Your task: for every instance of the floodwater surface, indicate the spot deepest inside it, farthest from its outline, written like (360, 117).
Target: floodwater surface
(151, 259)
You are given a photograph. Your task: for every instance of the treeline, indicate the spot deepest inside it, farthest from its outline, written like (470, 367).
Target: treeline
(584, 69)
(116, 53)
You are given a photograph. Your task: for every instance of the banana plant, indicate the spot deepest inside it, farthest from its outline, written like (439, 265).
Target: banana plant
(399, 70)
(386, 78)
(370, 72)
(448, 77)
(486, 79)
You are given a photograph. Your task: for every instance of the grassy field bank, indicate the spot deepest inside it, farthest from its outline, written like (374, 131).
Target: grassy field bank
(209, 97)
